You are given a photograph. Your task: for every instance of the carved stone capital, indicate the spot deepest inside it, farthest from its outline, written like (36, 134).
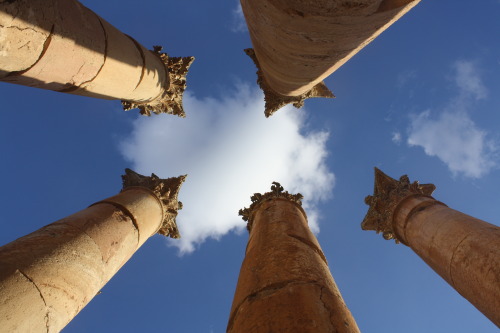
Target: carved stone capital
(170, 101)
(275, 101)
(387, 194)
(277, 191)
(166, 190)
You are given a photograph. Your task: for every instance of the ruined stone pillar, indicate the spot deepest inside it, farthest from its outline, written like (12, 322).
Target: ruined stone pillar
(465, 251)
(63, 46)
(48, 276)
(297, 43)
(285, 284)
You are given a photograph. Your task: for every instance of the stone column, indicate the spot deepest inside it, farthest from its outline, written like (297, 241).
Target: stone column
(63, 46)
(465, 251)
(297, 43)
(285, 284)
(48, 276)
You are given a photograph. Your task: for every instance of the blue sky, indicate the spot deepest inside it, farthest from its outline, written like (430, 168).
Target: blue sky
(422, 99)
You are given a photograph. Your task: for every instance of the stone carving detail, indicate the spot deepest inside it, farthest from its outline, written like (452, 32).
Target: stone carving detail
(275, 101)
(277, 191)
(387, 194)
(167, 191)
(170, 101)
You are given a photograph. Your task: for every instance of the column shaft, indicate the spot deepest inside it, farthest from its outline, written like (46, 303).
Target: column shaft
(463, 250)
(63, 46)
(285, 284)
(299, 43)
(48, 276)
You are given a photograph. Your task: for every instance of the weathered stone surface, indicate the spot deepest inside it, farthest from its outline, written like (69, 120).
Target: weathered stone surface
(144, 206)
(299, 43)
(463, 250)
(23, 36)
(64, 265)
(285, 284)
(70, 58)
(122, 69)
(297, 307)
(113, 231)
(22, 307)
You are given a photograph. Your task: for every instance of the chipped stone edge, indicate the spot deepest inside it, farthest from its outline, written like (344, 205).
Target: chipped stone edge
(275, 101)
(170, 100)
(166, 190)
(387, 195)
(277, 191)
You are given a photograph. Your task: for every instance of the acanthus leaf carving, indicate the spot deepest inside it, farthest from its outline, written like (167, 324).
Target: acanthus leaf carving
(277, 191)
(170, 101)
(275, 101)
(166, 190)
(387, 194)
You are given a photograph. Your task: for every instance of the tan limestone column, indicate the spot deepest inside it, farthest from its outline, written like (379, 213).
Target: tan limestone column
(297, 43)
(465, 251)
(63, 46)
(285, 284)
(48, 276)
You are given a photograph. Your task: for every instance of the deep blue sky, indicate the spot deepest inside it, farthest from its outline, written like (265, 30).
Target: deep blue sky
(430, 81)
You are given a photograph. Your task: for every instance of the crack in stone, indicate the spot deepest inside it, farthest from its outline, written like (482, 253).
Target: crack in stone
(125, 212)
(20, 29)
(452, 259)
(413, 212)
(328, 309)
(75, 88)
(311, 245)
(268, 290)
(41, 296)
(71, 84)
(83, 230)
(143, 57)
(25, 44)
(44, 50)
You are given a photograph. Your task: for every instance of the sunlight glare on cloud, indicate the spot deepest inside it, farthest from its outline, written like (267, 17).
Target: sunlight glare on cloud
(230, 151)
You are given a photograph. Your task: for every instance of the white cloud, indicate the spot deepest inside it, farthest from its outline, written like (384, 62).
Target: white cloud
(451, 135)
(454, 139)
(396, 138)
(238, 20)
(406, 77)
(468, 80)
(230, 151)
